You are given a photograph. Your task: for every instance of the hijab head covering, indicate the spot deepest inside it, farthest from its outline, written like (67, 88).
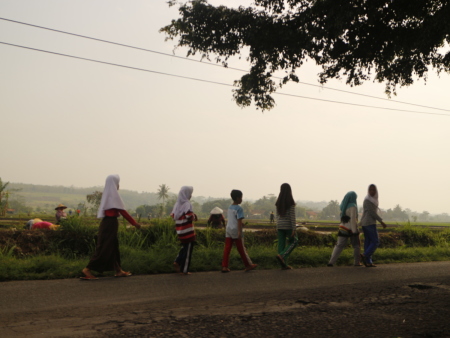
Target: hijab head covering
(373, 199)
(216, 211)
(183, 204)
(110, 197)
(348, 202)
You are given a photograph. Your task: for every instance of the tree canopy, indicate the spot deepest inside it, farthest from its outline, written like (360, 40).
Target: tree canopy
(163, 193)
(95, 199)
(4, 195)
(331, 211)
(390, 41)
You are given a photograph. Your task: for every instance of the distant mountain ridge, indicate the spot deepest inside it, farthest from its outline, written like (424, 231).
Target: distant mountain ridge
(48, 197)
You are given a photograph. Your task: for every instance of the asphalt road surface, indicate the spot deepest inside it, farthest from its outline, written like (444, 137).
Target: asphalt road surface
(395, 300)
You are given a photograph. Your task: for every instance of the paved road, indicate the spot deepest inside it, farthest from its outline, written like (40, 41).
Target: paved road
(323, 299)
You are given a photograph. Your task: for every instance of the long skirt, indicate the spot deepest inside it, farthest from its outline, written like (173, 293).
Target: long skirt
(107, 255)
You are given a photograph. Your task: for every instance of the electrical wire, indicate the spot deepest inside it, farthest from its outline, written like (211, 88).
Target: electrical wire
(216, 65)
(215, 82)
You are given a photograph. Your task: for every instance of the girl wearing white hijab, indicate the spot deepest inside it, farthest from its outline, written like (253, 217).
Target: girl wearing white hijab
(369, 225)
(184, 217)
(107, 255)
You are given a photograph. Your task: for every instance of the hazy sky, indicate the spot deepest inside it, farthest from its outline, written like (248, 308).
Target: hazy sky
(72, 122)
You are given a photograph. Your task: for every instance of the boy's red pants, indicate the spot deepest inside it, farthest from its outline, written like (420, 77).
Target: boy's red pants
(241, 248)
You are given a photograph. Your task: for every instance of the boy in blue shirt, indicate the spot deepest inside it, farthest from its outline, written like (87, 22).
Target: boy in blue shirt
(234, 233)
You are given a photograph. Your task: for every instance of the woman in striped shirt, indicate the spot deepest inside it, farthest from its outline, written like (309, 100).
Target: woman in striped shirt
(286, 227)
(184, 217)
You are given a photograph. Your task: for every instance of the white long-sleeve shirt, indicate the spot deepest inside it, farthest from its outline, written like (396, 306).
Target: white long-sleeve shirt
(352, 212)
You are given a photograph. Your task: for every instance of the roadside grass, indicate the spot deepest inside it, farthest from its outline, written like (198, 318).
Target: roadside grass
(426, 224)
(63, 253)
(204, 259)
(39, 267)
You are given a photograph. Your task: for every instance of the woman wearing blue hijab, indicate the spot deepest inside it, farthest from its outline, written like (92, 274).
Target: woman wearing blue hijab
(348, 230)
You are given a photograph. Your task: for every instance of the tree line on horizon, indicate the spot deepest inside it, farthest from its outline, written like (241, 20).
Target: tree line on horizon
(161, 202)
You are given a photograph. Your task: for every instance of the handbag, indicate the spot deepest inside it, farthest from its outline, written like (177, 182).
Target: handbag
(344, 231)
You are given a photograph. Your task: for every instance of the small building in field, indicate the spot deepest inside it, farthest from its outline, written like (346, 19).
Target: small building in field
(312, 214)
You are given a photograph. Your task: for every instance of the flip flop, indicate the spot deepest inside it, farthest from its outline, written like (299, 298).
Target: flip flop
(225, 270)
(88, 278)
(126, 274)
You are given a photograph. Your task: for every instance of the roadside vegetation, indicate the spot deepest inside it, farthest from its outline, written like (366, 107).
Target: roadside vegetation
(28, 200)
(47, 254)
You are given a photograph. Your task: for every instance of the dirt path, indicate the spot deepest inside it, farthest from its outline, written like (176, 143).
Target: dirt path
(396, 300)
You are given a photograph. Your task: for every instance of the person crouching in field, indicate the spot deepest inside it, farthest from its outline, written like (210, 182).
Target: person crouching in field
(348, 230)
(184, 217)
(235, 234)
(107, 255)
(216, 219)
(286, 227)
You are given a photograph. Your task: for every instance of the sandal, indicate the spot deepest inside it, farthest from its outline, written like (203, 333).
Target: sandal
(250, 267)
(225, 270)
(88, 278)
(176, 267)
(281, 261)
(371, 266)
(124, 274)
(363, 259)
(287, 267)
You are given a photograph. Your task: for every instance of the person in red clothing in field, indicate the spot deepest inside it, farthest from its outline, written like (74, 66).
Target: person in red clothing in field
(107, 255)
(184, 216)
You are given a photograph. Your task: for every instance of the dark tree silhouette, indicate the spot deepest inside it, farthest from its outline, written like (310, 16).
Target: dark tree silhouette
(389, 41)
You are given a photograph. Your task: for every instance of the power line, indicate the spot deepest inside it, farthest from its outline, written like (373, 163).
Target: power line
(215, 82)
(216, 65)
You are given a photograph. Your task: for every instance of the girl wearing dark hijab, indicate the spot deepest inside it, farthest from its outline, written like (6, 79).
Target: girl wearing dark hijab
(348, 229)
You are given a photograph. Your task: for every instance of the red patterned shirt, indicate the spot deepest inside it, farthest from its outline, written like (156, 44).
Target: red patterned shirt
(185, 227)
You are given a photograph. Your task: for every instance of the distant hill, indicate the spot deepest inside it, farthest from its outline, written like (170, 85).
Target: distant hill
(48, 197)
